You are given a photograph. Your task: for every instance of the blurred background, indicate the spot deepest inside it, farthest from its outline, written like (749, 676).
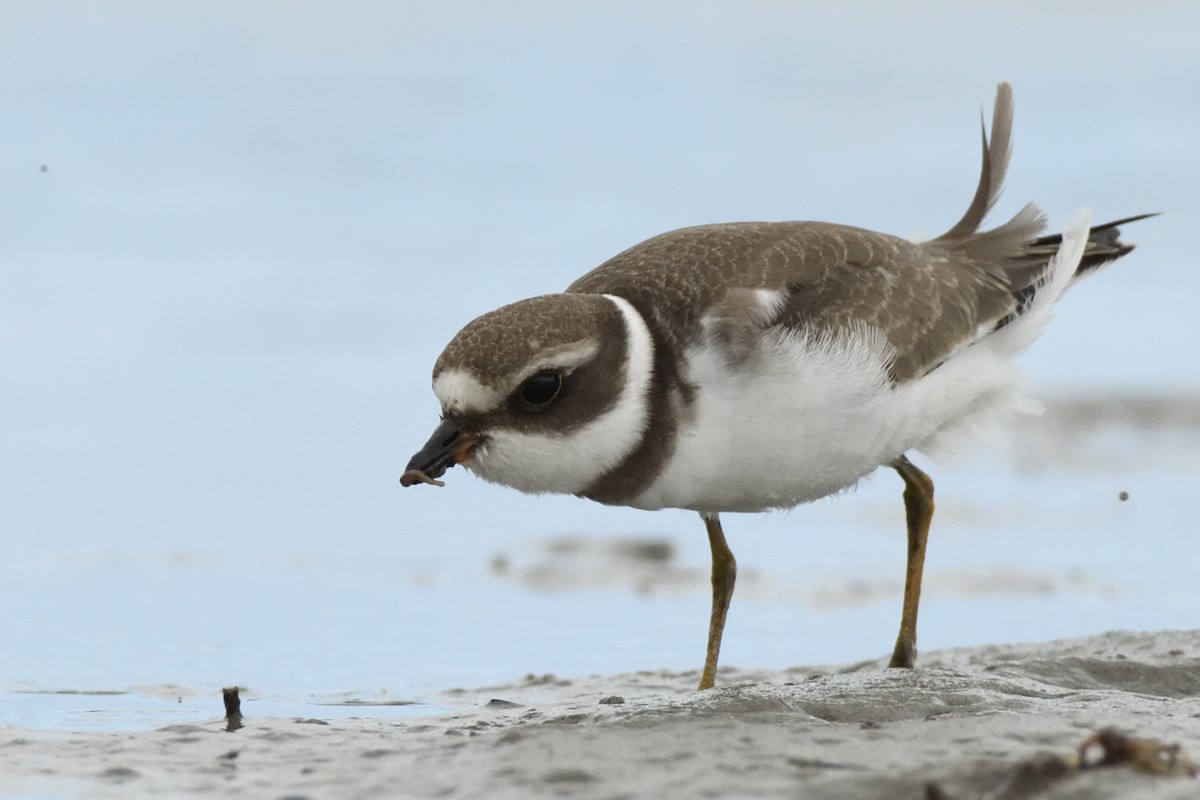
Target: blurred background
(235, 236)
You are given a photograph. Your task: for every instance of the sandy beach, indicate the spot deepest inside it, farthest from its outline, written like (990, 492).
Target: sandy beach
(1003, 721)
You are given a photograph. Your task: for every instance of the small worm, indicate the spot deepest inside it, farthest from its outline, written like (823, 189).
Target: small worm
(418, 476)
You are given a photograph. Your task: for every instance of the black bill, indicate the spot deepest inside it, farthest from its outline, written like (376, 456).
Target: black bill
(449, 445)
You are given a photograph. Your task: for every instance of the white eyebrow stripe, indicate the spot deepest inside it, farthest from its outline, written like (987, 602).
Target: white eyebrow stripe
(567, 357)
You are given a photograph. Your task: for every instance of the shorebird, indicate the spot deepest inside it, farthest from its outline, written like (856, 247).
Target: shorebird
(760, 365)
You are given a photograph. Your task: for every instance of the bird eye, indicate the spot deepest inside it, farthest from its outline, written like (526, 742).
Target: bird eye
(541, 389)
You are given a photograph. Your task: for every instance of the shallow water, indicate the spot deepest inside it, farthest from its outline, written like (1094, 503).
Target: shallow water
(157, 707)
(255, 229)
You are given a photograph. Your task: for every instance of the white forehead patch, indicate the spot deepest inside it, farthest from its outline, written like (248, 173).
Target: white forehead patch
(461, 392)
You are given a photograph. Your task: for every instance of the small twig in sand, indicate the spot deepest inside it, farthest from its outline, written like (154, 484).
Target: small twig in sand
(1037, 774)
(1144, 755)
(233, 708)
(418, 476)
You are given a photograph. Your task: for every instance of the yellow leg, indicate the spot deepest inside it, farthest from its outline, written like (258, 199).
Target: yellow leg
(724, 575)
(918, 508)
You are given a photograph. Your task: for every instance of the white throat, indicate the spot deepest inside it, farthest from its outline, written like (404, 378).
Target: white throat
(569, 463)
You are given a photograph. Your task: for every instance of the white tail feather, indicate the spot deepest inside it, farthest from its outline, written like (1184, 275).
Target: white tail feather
(996, 387)
(1020, 333)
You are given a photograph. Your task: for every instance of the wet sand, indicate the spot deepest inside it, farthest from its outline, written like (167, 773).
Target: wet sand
(968, 722)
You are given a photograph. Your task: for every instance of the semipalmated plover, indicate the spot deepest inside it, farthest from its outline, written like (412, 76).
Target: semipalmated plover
(760, 365)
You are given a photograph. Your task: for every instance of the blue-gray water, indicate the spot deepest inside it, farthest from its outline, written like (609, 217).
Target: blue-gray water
(234, 237)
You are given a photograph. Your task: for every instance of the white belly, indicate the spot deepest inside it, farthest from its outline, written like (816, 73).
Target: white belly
(807, 417)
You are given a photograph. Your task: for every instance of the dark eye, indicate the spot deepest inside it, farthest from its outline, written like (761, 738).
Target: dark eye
(540, 390)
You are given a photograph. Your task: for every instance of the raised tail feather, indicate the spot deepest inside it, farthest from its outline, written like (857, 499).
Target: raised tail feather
(995, 163)
(1002, 241)
(1016, 246)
